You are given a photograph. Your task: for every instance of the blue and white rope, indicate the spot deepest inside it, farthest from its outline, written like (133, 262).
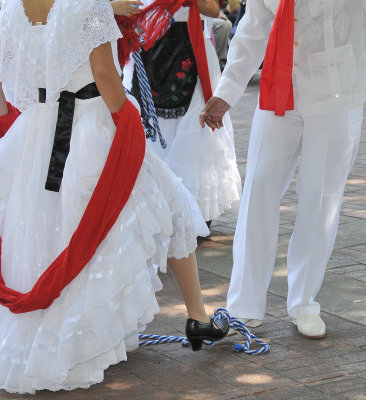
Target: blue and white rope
(239, 326)
(218, 314)
(147, 99)
(160, 339)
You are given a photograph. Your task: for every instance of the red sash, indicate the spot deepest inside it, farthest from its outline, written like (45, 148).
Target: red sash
(276, 91)
(108, 199)
(6, 121)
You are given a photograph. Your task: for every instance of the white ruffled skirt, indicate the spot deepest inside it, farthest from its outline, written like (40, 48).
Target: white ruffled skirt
(205, 160)
(97, 318)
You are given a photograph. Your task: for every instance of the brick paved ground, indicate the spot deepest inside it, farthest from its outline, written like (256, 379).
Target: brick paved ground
(295, 368)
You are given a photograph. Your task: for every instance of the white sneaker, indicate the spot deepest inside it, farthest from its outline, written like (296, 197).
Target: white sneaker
(310, 326)
(250, 323)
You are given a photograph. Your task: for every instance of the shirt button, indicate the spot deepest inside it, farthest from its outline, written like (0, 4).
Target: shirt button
(295, 19)
(296, 43)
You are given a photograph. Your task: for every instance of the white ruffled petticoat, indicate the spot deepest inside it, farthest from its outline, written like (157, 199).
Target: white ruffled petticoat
(205, 160)
(98, 316)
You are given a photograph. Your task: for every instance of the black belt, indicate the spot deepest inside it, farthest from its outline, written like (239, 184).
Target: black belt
(61, 143)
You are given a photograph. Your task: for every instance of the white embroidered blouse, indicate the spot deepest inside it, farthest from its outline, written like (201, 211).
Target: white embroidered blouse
(48, 56)
(329, 53)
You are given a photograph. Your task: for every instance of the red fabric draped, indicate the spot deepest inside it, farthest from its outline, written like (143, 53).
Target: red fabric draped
(198, 45)
(146, 26)
(108, 199)
(276, 90)
(130, 42)
(152, 23)
(6, 121)
(153, 20)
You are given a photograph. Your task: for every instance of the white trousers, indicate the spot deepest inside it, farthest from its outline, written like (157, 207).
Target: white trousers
(327, 145)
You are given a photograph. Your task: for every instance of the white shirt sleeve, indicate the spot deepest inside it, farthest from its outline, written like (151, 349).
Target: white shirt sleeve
(246, 51)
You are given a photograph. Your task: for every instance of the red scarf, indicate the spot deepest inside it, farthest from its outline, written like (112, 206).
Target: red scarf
(276, 91)
(108, 199)
(153, 22)
(7, 120)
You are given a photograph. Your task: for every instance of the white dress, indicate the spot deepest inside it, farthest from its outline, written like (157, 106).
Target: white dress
(97, 318)
(205, 160)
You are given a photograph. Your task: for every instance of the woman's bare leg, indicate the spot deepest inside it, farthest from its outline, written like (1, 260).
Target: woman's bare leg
(186, 274)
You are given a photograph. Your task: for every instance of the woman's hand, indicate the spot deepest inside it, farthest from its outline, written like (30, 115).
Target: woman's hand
(126, 8)
(213, 113)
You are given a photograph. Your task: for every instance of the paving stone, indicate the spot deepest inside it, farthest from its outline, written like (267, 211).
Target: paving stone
(291, 364)
(236, 395)
(342, 385)
(9, 396)
(298, 391)
(314, 396)
(159, 395)
(354, 395)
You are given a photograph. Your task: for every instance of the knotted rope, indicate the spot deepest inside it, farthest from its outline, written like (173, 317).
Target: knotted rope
(218, 314)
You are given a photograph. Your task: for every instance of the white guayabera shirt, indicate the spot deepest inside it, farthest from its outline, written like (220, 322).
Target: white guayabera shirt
(329, 53)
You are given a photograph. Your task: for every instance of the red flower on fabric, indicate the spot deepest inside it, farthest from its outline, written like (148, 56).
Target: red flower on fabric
(186, 64)
(154, 93)
(181, 75)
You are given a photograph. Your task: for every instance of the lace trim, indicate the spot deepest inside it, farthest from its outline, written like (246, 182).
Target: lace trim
(317, 33)
(172, 113)
(342, 26)
(73, 30)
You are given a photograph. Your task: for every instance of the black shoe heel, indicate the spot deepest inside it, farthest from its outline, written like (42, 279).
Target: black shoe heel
(196, 344)
(198, 331)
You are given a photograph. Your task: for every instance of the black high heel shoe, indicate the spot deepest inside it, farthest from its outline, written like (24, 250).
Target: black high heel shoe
(197, 331)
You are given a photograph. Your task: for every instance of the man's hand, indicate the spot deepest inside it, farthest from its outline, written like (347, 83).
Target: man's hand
(213, 113)
(126, 7)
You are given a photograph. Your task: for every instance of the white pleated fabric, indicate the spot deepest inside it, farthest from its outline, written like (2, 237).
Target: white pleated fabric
(97, 318)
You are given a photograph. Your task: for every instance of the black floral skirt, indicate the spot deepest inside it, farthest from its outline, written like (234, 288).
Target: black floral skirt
(171, 69)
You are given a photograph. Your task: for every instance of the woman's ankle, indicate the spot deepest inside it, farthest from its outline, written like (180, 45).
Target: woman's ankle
(199, 316)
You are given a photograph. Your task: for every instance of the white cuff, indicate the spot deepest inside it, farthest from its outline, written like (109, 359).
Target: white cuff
(229, 91)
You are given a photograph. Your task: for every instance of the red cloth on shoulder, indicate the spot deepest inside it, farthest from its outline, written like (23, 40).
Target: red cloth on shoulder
(276, 90)
(108, 199)
(7, 120)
